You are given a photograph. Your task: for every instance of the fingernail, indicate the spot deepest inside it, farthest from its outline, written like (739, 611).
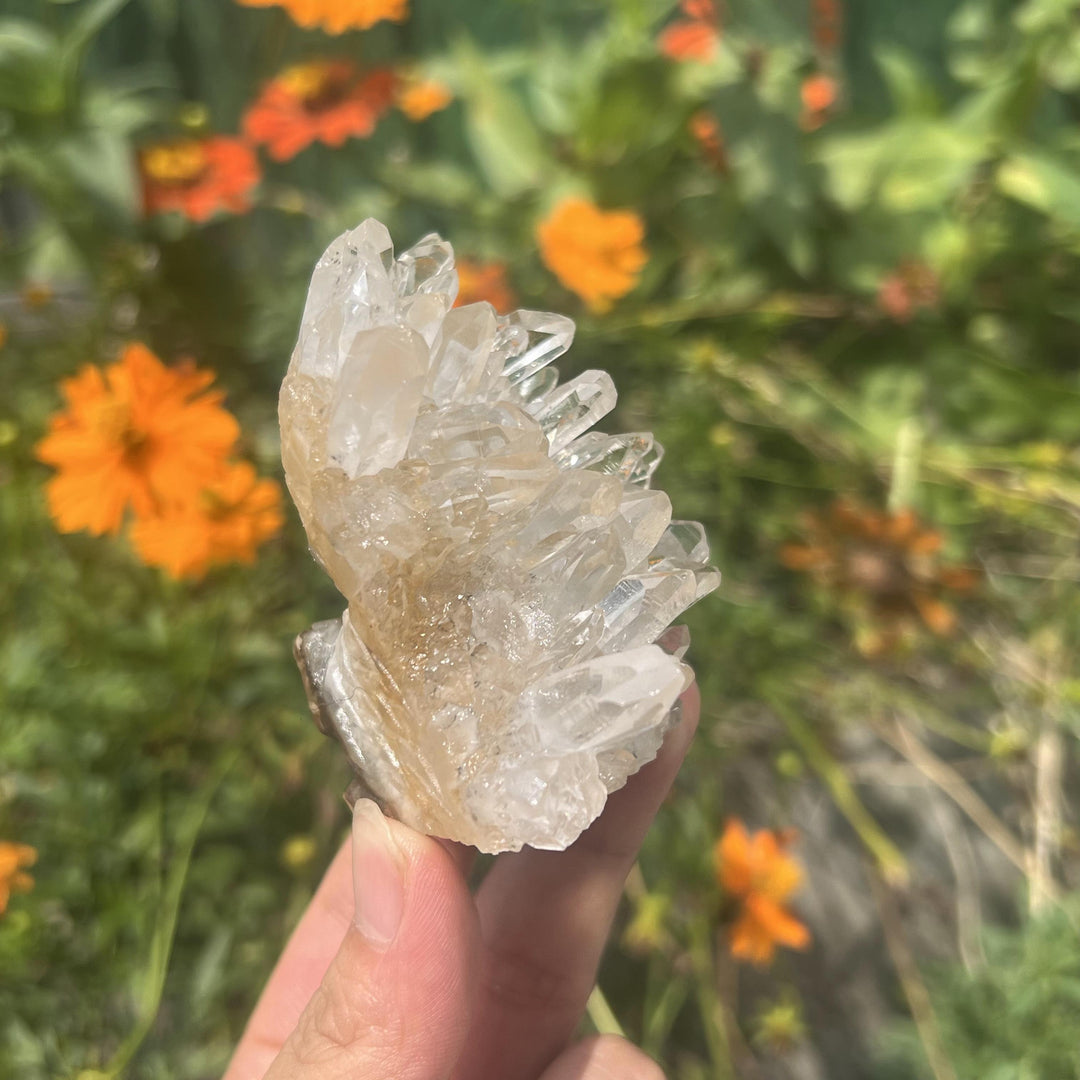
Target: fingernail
(378, 876)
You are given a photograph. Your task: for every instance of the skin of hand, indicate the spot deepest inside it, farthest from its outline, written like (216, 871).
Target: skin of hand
(396, 972)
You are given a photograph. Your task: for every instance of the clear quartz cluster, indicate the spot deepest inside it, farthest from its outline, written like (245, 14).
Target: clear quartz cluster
(508, 571)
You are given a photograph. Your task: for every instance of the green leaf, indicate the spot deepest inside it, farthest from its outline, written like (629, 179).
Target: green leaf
(30, 79)
(100, 165)
(92, 17)
(910, 87)
(503, 138)
(1043, 182)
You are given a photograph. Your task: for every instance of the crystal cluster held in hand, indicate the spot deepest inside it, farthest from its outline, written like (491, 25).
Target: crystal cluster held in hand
(505, 660)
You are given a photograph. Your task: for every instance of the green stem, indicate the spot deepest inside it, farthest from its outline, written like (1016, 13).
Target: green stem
(152, 983)
(892, 863)
(600, 1013)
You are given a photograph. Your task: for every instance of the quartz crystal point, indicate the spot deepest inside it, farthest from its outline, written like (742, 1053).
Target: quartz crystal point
(504, 661)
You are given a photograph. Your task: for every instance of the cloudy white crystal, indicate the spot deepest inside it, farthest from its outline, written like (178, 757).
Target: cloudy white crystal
(508, 572)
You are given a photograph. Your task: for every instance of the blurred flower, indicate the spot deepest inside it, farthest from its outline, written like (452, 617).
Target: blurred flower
(323, 101)
(418, 100)
(484, 281)
(3, 334)
(818, 94)
(911, 287)
(647, 930)
(780, 1027)
(825, 21)
(35, 295)
(298, 851)
(758, 875)
(14, 858)
(884, 566)
(135, 435)
(337, 16)
(694, 38)
(224, 522)
(198, 176)
(595, 253)
(705, 129)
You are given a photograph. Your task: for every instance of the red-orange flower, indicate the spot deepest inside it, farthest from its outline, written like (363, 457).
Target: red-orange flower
(595, 253)
(136, 435)
(484, 281)
(418, 100)
(337, 16)
(818, 94)
(198, 177)
(885, 570)
(694, 38)
(758, 876)
(14, 858)
(226, 521)
(324, 101)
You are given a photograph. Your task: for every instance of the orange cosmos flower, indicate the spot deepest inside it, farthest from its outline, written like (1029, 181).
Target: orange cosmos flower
(818, 93)
(225, 522)
(595, 253)
(885, 570)
(198, 176)
(418, 100)
(13, 878)
(136, 435)
(336, 16)
(484, 281)
(695, 37)
(324, 101)
(758, 875)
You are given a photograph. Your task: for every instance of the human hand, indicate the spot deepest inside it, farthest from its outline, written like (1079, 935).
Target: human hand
(419, 980)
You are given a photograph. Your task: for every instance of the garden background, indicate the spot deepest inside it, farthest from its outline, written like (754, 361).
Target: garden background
(852, 317)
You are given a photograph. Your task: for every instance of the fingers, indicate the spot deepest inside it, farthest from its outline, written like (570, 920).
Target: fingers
(604, 1057)
(395, 999)
(545, 917)
(303, 964)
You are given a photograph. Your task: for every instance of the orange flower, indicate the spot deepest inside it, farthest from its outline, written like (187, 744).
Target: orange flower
(225, 522)
(758, 875)
(484, 281)
(35, 295)
(688, 40)
(595, 253)
(135, 435)
(885, 570)
(324, 101)
(818, 93)
(13, 859)
(695, 37)
(825, 19)
(911, 287)
(198, 176)
(418, 100)
(336, 16)
(705, 129)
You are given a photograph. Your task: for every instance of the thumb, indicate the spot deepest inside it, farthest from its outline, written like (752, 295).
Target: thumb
(395, 1000)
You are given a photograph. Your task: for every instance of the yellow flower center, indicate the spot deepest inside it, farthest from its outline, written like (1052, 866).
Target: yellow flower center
(180, 162)
(316, 85)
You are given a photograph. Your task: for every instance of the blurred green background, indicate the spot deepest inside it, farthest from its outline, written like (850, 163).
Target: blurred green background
(863, 283)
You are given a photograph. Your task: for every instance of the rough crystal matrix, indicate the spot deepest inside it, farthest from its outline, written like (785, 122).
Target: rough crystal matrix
(508, 571)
